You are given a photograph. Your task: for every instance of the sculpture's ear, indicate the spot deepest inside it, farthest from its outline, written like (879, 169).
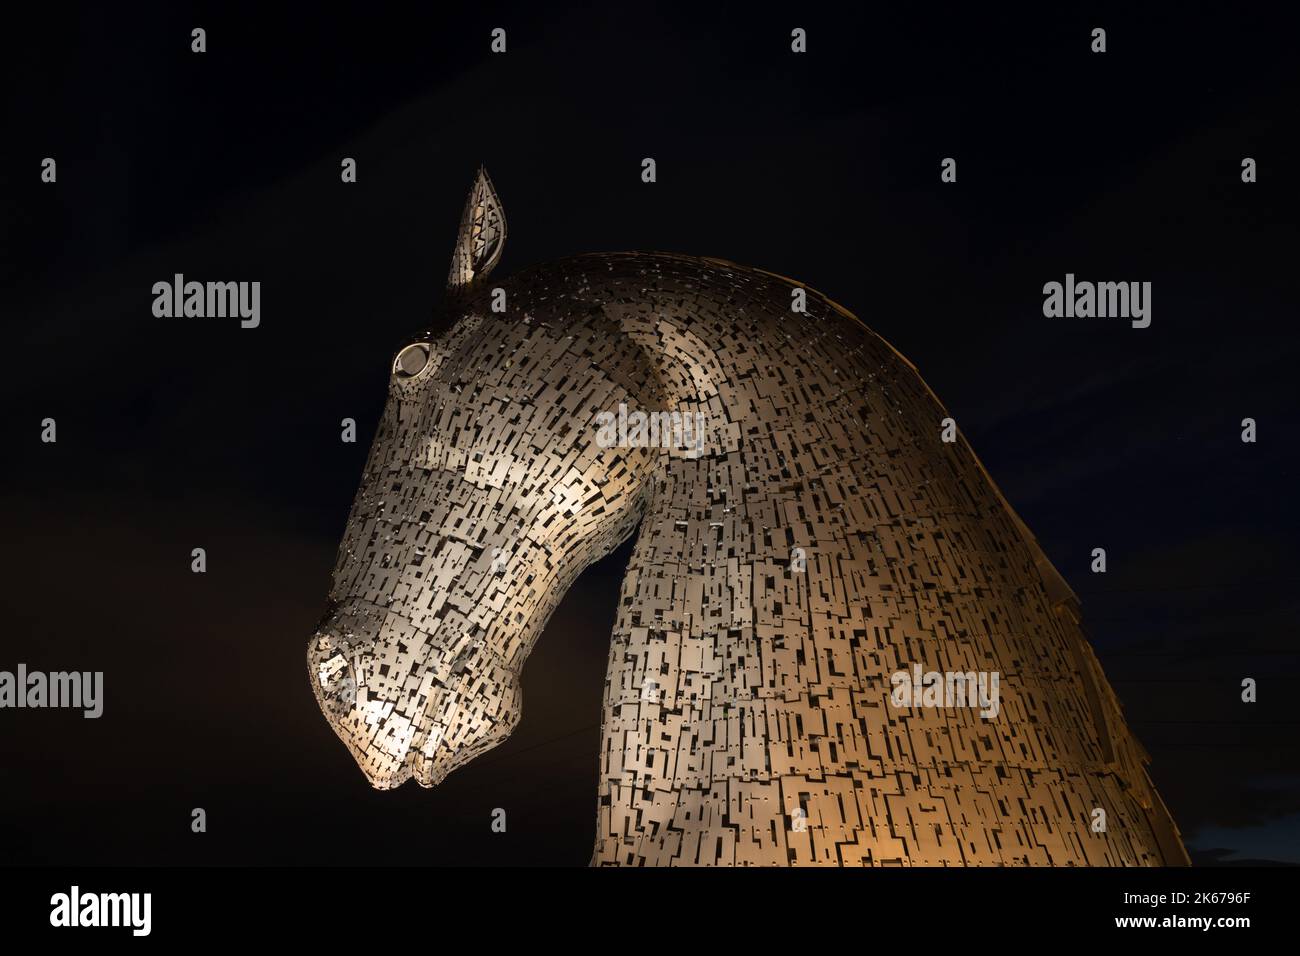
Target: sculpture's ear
(482, 236)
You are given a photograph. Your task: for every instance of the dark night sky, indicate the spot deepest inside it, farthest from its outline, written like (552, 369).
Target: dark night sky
(179, 433)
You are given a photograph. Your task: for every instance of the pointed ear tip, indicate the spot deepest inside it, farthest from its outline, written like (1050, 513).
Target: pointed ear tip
(482, 234)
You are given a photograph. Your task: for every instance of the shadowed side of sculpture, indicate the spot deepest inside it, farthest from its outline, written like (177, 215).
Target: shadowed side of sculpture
(805, 537)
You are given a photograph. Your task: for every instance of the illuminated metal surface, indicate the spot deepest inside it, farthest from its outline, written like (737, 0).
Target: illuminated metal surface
(820, 539)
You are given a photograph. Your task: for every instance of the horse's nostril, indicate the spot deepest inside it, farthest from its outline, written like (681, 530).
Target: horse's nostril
(338, 687)
(345, 693)
(331, 669)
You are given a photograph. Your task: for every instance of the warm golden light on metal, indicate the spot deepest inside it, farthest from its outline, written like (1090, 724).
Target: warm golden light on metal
(822, 539)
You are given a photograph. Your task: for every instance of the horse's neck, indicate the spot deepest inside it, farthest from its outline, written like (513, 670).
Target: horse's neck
(702, 683)
(747, 713)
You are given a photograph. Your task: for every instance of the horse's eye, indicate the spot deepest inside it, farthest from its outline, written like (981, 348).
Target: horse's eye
(411, 360)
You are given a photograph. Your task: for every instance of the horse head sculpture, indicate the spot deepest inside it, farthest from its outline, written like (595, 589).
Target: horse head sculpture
(805, 535)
